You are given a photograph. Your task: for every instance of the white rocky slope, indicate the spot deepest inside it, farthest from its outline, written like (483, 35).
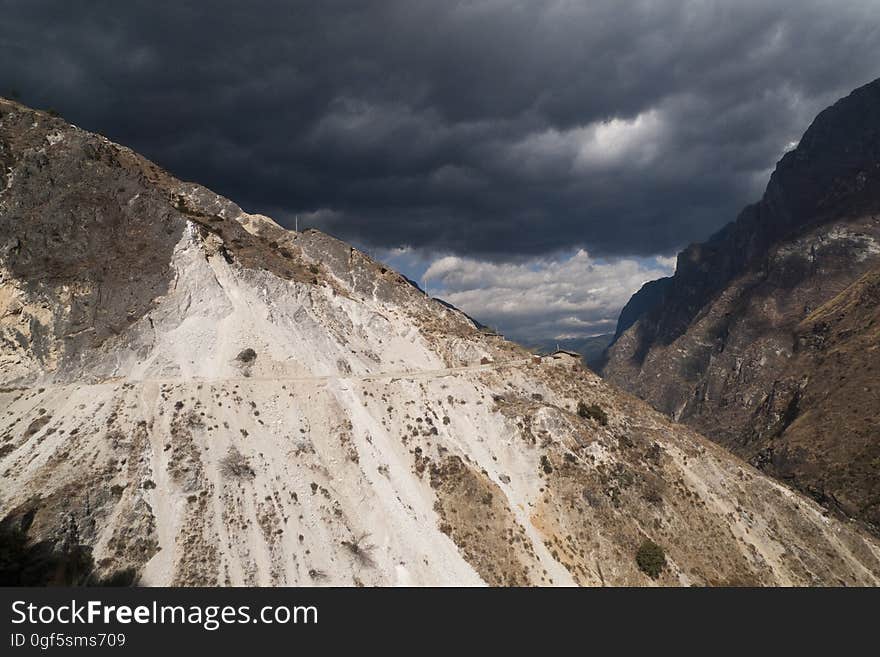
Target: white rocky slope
(193, 395)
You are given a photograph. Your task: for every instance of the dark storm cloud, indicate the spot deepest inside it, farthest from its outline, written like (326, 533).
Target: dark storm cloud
(491, 128)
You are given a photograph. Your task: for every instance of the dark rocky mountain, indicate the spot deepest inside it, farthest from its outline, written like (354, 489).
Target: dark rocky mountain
(762, 338)
(650, 295)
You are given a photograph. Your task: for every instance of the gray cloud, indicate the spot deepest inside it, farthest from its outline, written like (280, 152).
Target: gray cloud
(489, 129)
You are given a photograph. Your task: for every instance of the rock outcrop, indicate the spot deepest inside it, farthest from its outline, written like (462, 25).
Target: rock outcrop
(762, 340)
(192, 395)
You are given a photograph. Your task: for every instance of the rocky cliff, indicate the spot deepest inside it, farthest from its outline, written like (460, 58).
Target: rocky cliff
(192, 395)
(762, 338)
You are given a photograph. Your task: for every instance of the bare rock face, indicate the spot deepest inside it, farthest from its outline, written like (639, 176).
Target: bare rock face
(192, 395)
(758, 341)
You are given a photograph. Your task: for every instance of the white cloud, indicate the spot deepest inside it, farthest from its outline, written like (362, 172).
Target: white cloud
(667, 262)
(543, 298)
(612, 142)
(598, 145)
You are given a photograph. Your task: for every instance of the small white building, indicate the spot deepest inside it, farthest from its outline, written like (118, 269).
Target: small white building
(561, 354)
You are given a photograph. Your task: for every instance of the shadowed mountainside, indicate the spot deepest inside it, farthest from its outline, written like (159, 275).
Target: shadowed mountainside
(732, 344)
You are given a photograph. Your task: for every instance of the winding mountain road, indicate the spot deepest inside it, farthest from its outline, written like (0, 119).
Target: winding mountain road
(326, 378)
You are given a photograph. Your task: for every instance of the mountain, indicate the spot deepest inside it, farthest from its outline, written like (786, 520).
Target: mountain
(649, 296)
(192, 395)
(765, 339)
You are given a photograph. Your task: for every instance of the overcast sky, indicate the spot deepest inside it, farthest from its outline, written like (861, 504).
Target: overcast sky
(533, 162)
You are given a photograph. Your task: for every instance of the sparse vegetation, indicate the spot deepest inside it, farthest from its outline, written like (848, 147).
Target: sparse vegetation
(246, 356)
(236, 465)
(651, 559)
(361, 549)
(593, 412)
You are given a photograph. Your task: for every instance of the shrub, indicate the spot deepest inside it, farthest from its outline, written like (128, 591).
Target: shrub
(651, 558)
(246, 356)
(234, 464)
(361, 550)
(593, 412)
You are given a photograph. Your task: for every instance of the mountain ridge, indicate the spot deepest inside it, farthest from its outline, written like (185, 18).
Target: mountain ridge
(192, 395)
